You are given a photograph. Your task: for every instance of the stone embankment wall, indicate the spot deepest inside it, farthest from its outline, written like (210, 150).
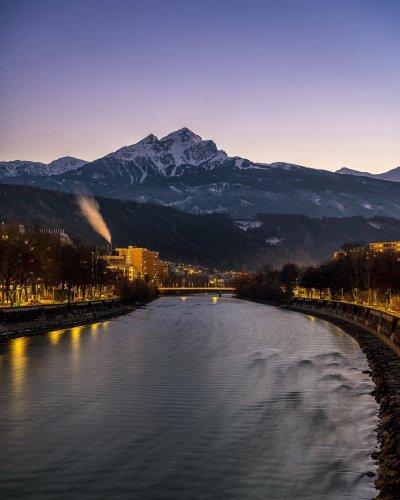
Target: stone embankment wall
(381, 323)
(21, 321)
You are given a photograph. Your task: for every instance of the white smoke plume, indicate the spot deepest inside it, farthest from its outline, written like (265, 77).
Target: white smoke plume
(90, 210)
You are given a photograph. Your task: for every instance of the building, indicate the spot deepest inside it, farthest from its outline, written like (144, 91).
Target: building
(351, 251)
(118, 263)
(135, 262)
(339, 254)
(163, 270)
(143, 260)
(59, 232)
(64, 237)
(377, 247)
(385, 246)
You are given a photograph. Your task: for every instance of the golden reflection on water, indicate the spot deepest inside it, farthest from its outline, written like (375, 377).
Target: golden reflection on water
(94, 329)
(18, 362)
(76, 337)
(215, 300)
(183, 298)
(55, 336)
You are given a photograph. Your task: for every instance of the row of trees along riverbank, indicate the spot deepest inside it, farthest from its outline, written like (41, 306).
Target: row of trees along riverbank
(357, 275)
(36, 266)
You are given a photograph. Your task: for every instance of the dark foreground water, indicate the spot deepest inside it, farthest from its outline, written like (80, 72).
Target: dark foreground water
(188, 399)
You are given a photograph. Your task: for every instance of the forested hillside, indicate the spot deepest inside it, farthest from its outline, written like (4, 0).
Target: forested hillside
(214, 240)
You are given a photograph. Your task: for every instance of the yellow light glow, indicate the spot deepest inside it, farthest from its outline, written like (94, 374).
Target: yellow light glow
(215, 300)
(55, 336)
(76, 337)
(94, 329)
(18, 362)
(184, 298)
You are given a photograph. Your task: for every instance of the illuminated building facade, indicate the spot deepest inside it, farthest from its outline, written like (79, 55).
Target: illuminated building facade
(385, 246)
(377, 247)
(135, 263)
(118, 263)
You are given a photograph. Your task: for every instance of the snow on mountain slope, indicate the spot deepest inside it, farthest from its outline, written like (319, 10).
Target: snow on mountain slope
(64, 164)
(245, 225)
(21, 168)
(351, 171)
(286, 166)
(18, 168)
(187, 172)
(165, 156)
(392, 175)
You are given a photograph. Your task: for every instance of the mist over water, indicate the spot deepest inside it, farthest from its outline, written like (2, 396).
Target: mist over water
(194, 399)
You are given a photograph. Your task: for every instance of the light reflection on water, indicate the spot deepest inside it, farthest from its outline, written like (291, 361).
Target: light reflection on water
(76, 337)
(186, 400)
(18, 362)
(55, 336)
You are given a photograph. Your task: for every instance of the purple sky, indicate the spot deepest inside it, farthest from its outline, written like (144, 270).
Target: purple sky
(313, 82)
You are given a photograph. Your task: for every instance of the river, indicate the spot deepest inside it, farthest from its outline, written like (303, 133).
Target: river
(188, 398)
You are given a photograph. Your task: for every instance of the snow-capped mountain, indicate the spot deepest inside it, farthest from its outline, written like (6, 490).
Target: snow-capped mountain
(169, 156)
(391, 175)
(184, 171)
(64, 164)
(20, 168)
(182, 148)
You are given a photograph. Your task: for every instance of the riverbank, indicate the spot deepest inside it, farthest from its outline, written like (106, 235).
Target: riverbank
(34, 320)
(385, 373)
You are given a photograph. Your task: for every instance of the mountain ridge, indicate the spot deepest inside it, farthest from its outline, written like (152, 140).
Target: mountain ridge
(392, 175)
(184, 171)
(16, 168)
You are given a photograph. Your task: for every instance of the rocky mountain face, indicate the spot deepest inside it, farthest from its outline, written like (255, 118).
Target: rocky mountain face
(212, 239)
(184, 171)
(20, 168)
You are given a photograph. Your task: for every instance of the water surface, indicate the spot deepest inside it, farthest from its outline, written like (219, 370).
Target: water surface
(188, 399)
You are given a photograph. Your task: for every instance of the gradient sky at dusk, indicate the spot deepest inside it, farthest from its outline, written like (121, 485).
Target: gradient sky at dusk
(313, 82)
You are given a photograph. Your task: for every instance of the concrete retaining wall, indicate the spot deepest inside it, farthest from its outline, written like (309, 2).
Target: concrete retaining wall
(17, 321)
(384, 324)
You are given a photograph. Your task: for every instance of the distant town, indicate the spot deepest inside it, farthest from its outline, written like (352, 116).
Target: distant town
(44, 265)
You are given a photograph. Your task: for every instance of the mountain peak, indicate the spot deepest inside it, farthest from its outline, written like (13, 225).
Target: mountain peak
(391, 175)
(64, 164)
(149, 139)
(182, 135)
(352, 171)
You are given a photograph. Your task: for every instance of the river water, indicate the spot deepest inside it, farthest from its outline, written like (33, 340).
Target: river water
(196, 398)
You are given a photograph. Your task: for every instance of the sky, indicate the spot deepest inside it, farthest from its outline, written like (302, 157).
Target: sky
(312, 82)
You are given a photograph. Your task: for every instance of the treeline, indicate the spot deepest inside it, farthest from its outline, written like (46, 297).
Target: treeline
(356, 275)
(36, 265)
(268, 283)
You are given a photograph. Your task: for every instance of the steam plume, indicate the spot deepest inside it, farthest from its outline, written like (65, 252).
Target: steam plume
(90, 210)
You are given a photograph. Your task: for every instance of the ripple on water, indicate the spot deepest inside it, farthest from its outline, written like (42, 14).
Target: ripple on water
(188, 399)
